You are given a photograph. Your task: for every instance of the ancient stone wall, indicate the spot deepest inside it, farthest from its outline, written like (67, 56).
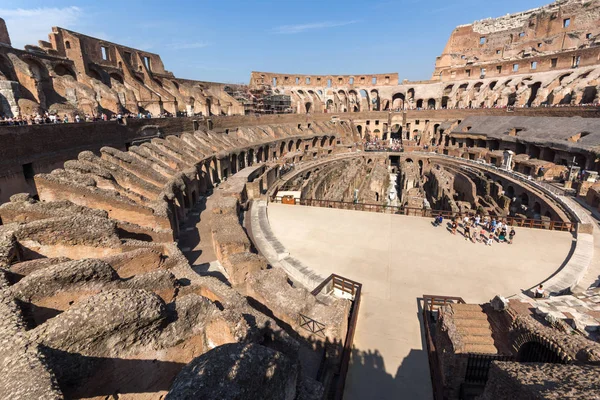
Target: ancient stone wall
(4, 37)
(532, 38)
(74, 73)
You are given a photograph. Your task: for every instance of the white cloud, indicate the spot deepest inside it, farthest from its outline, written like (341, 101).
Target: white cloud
(27, 26)
(193, 45)
(290, 29)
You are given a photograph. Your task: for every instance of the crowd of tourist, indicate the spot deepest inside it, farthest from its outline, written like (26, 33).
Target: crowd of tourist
(484, 230)
(55, 118)
(415, 108)
(376, 144)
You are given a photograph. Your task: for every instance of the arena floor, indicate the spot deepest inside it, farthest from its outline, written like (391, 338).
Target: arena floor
(398, 259)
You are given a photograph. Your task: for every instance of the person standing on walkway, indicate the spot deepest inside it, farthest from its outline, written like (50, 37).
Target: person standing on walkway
(467, 232)
(511, 235)
(454, 225)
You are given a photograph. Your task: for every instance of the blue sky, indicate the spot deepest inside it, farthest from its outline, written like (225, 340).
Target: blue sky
(225, 40)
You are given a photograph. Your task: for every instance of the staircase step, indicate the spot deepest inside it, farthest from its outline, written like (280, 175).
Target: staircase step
(462, 314)
(470, 322)
(479, 348)
(474, 330)
(486, 340)
(466, 307)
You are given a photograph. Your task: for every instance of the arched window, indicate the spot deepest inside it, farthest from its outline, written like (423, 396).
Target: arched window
(67, 44)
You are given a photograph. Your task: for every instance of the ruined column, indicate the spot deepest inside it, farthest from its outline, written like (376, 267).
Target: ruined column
(4, 37)
(507, 161)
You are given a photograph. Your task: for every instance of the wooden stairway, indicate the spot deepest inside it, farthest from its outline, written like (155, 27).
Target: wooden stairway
(475, 331)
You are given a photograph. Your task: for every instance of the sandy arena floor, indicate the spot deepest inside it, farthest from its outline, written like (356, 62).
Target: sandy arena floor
(398, 259)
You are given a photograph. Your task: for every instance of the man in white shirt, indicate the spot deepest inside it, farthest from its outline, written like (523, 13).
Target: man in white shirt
(539, 292)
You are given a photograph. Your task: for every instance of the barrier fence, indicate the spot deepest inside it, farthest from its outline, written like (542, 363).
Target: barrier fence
(353, 289)
(424, 212)
(431, 304)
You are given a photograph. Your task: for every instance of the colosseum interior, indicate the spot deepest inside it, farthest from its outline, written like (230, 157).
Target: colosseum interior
(305, 236)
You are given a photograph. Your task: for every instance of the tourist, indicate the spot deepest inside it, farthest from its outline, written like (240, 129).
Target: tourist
(489, 240)
(467, 232)
(438, 220)
(499, 226)
(493, 225)
(477, 219)
(77, 118)
(511, 235)
(454, 225)
(539, 292)
(502, 236)
(482, 236)
(466, 221)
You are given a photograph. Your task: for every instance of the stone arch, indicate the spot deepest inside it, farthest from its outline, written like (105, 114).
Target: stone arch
(308, 106)
(445, 101)
(589, 95)
(410, 94)
(398, 101)
(40, 80)
(396, 131)
(64, 69)
(6, 69)
(93, 73)
(525, 199)
(323, 141)
(534, 91)
(290, 145)
(533, 348)
(233, 163)
(431, 104)
(374, 100)
(364, 99)
(420, 103)
(259, 154)
(242, 160)
(359, 129)
(510, 191)
(117, 77)
(298, 144)
(281, 148)
(537, 208)
(329, 106)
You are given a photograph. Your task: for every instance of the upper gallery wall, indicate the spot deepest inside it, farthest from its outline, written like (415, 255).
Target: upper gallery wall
(74, 73)
(547, 56)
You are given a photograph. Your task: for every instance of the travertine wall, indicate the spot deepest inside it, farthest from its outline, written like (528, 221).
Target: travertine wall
(75, 73)
(4, 37)
(537, 35)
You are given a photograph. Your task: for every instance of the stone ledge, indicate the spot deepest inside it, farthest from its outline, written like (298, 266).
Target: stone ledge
(274, 251)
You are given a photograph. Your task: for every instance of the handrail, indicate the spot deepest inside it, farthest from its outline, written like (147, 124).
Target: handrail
(517, 176)
(429, 213)
(312, 325)
(353, 288)
(437, 300)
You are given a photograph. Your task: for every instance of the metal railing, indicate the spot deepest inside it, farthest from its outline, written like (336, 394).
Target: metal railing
(550, 190)
(429, 213)
(431, 304)
(311, 325)
(354, 289)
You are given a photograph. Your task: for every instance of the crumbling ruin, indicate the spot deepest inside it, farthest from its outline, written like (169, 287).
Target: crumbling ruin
(95, 281)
